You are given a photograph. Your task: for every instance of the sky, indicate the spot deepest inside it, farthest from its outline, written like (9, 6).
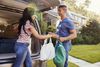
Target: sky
(93, 6)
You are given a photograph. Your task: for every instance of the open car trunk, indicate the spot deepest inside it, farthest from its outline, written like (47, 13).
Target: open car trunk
(10, 12)
(21, 4)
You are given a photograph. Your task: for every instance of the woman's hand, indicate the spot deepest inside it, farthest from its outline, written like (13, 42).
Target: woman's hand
(54, 35)
(49, 36)
(62, 39)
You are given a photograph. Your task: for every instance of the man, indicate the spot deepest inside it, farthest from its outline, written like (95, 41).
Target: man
(65, 31)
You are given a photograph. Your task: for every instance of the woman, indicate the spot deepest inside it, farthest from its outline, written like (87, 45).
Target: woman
(25, 30)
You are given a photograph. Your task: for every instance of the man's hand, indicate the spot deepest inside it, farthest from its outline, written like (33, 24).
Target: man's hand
(62, 39)
(54, 35)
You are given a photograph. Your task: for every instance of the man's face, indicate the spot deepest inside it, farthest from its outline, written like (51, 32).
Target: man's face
(61, 11)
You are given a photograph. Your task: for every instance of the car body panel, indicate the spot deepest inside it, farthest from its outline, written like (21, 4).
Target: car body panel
(10, 13)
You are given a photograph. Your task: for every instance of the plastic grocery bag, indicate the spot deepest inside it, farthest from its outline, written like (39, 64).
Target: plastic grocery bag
(47, 51)
(60, 57)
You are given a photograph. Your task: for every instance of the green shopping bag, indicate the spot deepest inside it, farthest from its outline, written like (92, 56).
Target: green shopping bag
(60, 55)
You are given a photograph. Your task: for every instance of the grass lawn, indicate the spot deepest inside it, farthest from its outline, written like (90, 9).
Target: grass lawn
(51, 64)
(90, 53)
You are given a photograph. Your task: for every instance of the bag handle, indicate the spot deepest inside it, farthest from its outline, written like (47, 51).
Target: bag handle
(50, 40)
(60, 42)
(45, 41)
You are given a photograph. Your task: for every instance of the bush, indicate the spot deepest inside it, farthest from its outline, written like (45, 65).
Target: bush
(51, 28)
(90, 34)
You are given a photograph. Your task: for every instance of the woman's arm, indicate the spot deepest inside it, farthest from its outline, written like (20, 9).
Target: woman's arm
(37, 35)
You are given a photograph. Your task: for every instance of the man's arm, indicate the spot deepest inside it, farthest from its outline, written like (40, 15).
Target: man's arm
(73, 35)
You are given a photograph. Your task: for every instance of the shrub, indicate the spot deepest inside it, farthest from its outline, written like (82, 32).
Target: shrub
(90, 34)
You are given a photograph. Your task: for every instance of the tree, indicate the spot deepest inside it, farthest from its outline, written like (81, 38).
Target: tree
(87, 2)
(90, 34)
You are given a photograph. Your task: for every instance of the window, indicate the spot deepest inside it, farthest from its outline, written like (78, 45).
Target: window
(24, 0)
(8, 36)
(27, 0)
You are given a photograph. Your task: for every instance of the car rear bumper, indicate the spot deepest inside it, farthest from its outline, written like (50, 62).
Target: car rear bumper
(36, 63)
(6, 60)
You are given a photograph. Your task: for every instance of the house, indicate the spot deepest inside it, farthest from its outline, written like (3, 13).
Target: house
(78, 19)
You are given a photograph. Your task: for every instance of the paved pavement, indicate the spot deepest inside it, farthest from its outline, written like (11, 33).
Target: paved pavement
(82, 63)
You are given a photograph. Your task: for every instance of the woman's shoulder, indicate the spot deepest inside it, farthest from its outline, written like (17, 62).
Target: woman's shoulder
(28, 24)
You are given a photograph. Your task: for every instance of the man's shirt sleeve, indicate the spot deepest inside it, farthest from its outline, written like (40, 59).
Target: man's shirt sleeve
(69, 25)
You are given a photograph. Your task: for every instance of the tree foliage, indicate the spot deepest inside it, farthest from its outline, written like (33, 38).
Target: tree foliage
(90, 34)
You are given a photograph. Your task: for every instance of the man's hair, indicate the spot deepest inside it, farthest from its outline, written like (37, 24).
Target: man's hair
(62, 6)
